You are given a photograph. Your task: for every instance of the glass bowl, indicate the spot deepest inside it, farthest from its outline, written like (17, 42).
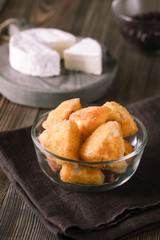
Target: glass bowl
(137, 140)
(139, 22)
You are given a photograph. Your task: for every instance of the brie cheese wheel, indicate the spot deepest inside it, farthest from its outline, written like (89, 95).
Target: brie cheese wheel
(37, 51)
(85, 55)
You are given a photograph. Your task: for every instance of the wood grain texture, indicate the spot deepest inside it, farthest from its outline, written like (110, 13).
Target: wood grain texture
(137, 78)
(9, 120)
(20, 223)
(4, 184)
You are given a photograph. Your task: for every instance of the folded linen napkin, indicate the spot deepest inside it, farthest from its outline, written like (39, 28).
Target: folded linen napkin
(132, 207)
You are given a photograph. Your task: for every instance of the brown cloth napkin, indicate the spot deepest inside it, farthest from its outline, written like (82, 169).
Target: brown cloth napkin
(132, 207)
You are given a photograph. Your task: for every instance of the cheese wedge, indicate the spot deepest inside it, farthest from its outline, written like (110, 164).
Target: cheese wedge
(85, 56)
(55, 39)
(37, 51)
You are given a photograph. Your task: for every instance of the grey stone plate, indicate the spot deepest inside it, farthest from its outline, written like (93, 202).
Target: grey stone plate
(51, 91)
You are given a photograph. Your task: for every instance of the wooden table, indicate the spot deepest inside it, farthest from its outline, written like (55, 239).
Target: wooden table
(138, 74)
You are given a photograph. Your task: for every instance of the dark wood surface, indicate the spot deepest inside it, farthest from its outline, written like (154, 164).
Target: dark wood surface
(138, 74)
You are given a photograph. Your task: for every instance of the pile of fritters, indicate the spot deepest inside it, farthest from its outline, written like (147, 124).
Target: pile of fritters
(92, 134)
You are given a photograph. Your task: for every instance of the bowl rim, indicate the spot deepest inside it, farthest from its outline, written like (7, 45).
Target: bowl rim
(124, 17)
(44, 150)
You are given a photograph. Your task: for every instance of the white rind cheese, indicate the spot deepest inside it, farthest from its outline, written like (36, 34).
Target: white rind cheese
(31, 51)
(85, 55)
(55, 39)
(32, 58)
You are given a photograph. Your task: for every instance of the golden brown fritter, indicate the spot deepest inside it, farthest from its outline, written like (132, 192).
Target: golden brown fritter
(121, 115)
(75, 173)
(62, 139)
(88, 119)
(62, 112)
(128, 149)
(105, 143)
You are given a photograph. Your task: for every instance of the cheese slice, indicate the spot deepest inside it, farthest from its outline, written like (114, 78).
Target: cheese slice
(85, 55)
(37, 51)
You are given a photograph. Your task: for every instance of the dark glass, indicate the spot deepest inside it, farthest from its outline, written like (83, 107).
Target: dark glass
(143, 31)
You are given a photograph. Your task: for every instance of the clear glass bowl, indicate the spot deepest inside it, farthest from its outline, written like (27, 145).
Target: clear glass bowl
(137, 140)
(139, 22)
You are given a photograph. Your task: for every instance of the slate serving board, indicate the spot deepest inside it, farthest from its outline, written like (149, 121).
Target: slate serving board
(51, 91)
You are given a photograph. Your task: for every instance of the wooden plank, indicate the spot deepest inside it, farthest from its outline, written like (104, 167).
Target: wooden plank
(4, 184)
(9, 120)
(19, 222)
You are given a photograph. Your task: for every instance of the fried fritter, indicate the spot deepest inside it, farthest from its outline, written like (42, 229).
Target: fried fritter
(75, 173)
(128, 149)
(62, 112)
(105, 143)
(62, 139)
(88, 119)
(121, 115)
